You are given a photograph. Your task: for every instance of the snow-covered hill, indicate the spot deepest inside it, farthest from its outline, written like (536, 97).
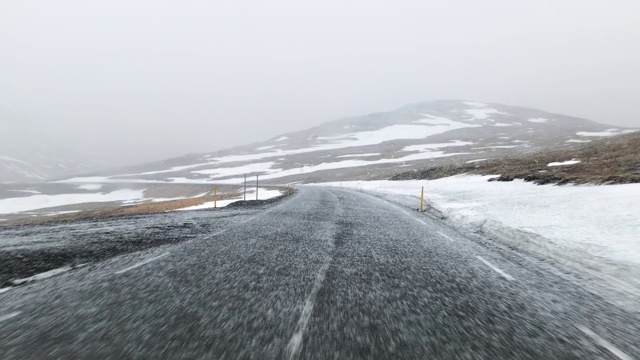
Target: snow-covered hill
(377, 145)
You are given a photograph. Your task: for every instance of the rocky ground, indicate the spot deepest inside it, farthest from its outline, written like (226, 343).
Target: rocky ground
(614, 160)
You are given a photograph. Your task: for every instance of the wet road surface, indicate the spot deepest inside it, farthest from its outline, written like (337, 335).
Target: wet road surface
(325, 274)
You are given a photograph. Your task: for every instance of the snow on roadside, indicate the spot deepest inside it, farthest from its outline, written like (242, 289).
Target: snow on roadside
(593, 226)
(263, 194)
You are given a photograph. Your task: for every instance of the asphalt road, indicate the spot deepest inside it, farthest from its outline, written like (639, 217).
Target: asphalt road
(326, 274)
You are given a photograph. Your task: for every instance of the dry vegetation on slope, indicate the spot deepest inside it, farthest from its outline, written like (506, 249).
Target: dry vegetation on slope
(614, 160)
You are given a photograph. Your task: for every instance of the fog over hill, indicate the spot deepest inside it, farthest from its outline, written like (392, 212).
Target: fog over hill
(376, 146)
(371, 146)
(24, 159)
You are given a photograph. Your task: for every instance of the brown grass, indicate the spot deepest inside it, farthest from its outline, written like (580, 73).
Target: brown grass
(117, 211)
(614, 160)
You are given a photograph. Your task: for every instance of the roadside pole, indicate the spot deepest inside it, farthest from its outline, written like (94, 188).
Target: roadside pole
(215, 196)
(422, 200)
(245, 187)
(256, 187)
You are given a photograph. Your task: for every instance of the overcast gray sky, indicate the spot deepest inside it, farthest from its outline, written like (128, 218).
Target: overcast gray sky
(153, 79)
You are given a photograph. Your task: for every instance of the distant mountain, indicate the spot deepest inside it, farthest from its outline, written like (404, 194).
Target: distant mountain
(27, 161)
(378, 145)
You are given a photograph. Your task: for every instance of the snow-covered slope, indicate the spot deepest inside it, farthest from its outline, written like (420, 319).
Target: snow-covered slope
(378, 145)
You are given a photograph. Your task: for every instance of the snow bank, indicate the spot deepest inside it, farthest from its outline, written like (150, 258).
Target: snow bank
(601, 219)
(595, 227)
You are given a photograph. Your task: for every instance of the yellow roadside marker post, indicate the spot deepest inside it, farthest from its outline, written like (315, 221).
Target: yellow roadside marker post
(215, 196)
(422, 200)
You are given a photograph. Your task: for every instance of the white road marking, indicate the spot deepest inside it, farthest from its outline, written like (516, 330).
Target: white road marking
(604, 343)
(295, 344)
(445, 236)
(246, 221)
(9, 316)
(5, 289)
(44, 275)
(420, 221)
(141, 263)
(495, 268)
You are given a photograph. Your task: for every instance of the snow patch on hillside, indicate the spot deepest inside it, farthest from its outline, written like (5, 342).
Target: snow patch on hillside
(89, 187)
(564, 163)
(428, 147)
(433, 120)
(608, 132)
(29, 203)
(475, 104)
(483, 113)
(306, 169)
(239, 170)
(359, 155)
(389, 133)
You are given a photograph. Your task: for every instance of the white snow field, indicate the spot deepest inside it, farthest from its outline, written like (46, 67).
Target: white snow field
(596, 228)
